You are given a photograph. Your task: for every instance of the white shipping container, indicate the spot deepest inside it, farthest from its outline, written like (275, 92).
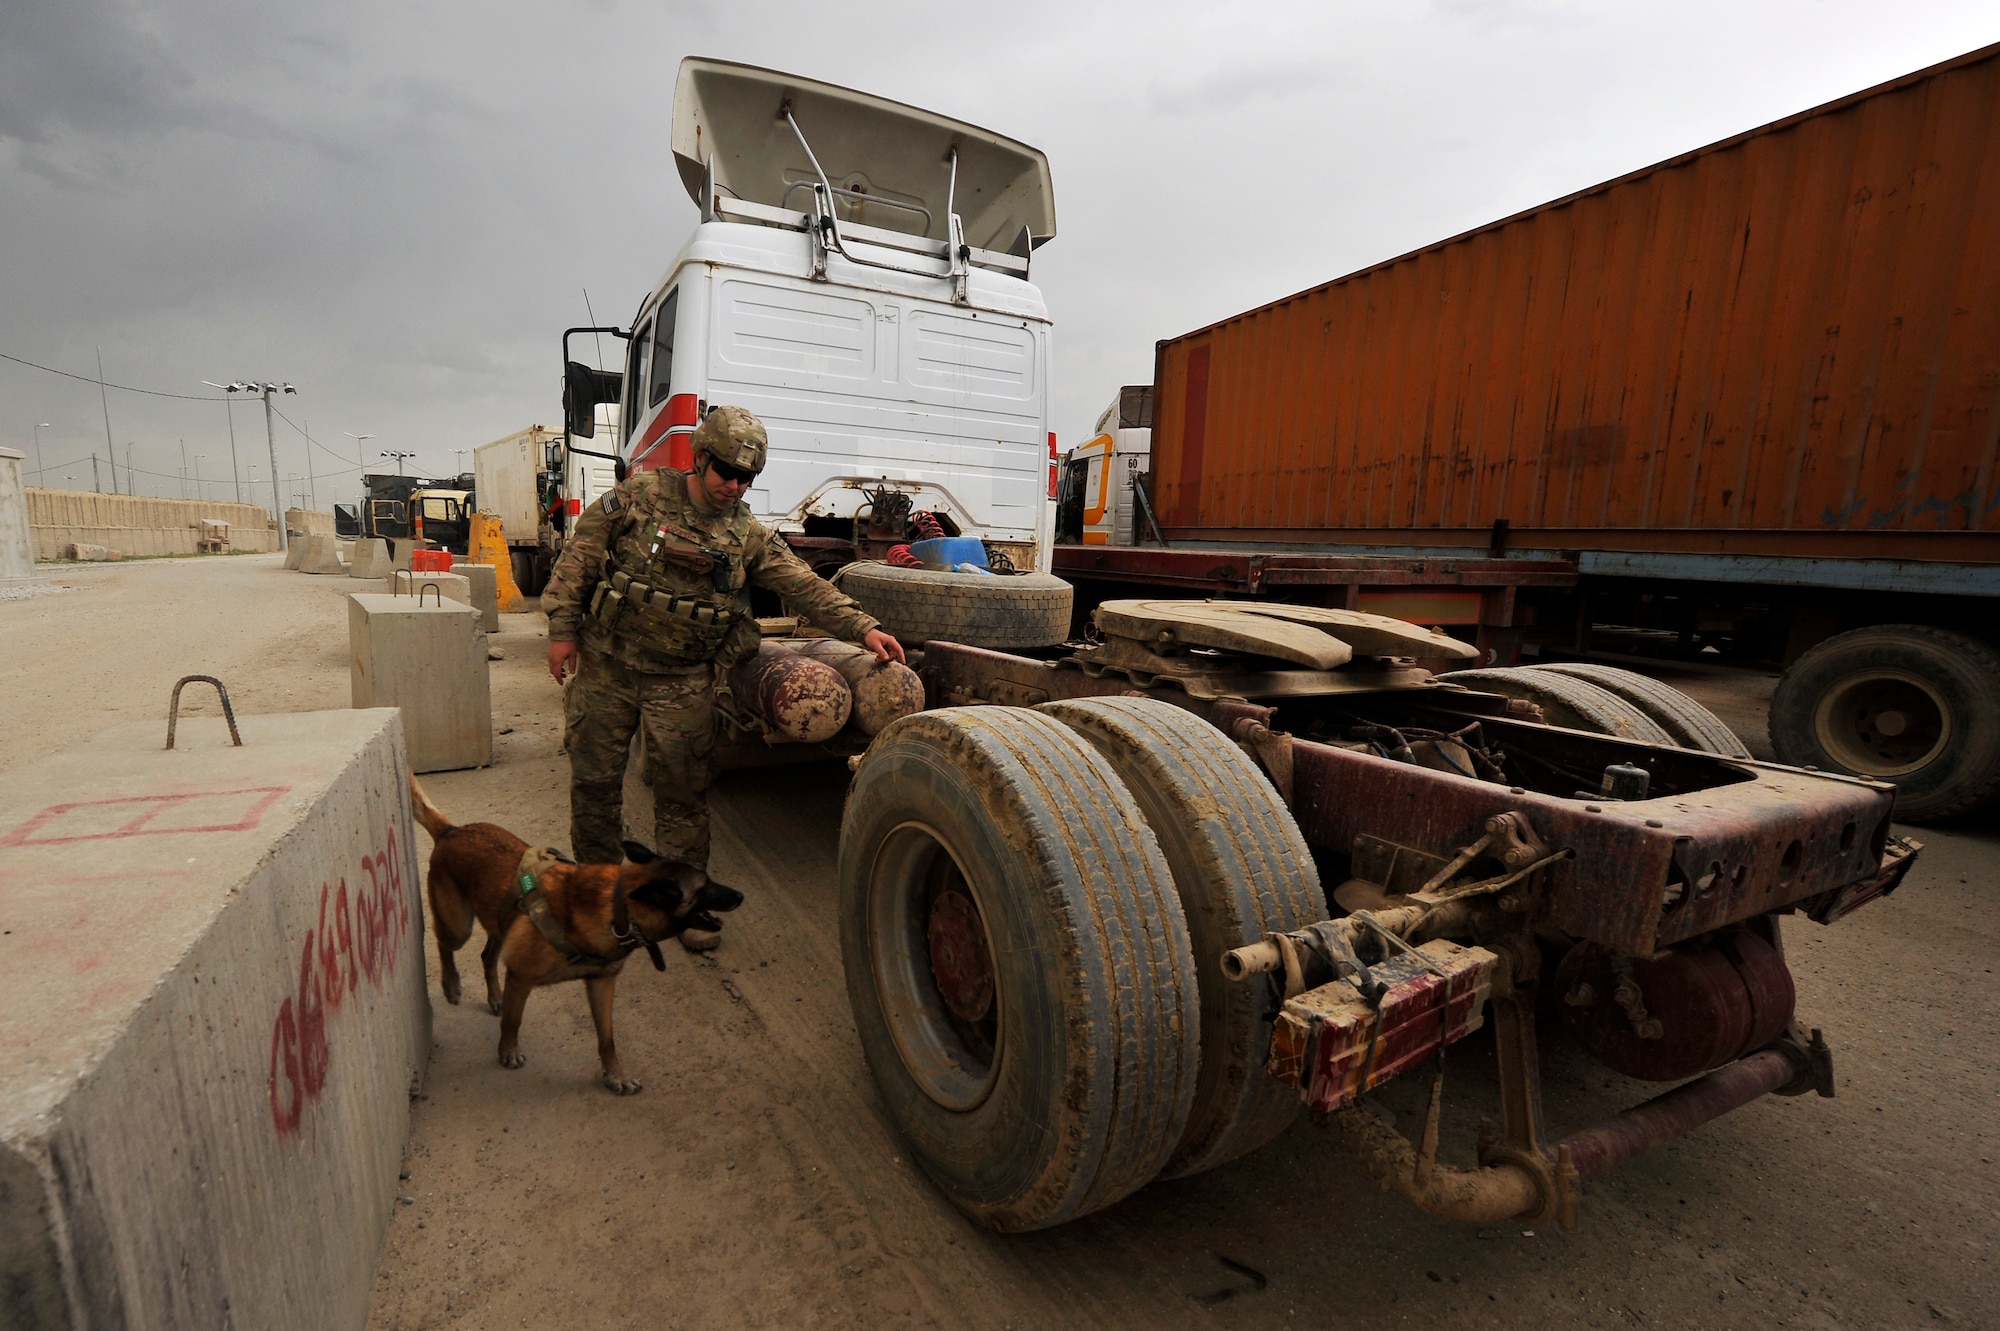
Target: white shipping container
(505, 476)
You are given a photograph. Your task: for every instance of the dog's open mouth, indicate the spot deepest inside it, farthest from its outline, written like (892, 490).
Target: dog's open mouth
(702, 919)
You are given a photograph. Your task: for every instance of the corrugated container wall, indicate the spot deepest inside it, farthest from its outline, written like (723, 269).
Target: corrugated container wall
(1784, 343)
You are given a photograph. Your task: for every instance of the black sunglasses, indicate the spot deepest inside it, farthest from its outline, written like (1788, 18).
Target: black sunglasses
(729, 473)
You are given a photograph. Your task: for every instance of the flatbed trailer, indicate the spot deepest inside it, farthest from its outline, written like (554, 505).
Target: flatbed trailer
(1087, 943)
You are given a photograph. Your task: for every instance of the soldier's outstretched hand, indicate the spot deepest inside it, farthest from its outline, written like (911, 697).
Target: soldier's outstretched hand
(885, 647)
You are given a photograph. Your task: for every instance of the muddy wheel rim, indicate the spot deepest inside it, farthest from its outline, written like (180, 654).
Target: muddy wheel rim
(931, 954)
(1884, 723)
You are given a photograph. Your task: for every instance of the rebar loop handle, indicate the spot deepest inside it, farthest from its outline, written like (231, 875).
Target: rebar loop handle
(228, 712)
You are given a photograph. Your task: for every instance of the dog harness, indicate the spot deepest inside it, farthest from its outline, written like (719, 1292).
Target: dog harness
(532, 901)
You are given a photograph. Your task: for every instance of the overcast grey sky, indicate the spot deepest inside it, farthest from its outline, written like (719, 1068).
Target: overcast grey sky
(398, 206)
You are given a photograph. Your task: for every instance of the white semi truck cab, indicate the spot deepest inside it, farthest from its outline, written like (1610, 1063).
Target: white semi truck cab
(859, 279)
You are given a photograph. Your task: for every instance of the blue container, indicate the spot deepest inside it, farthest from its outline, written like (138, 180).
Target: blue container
(950, 551)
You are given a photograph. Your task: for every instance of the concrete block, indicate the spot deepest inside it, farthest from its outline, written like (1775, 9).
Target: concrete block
(429, 660)
(212, 1014)
(452, 586)
(17, 543)
(83, 550)
(322, 556)
(485, 593)
(371, 559)
(295, 552)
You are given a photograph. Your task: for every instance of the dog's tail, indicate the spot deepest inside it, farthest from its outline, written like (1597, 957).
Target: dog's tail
(427, 813)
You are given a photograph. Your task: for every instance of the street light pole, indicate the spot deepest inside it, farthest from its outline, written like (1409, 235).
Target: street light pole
(184, 469)
(199, 493)
(40, 478)
(271, 443)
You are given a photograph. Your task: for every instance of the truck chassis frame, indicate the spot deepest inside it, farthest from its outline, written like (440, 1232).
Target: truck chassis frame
(1717, 844)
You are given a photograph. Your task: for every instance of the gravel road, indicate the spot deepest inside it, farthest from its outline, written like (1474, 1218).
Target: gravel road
(754, 1183)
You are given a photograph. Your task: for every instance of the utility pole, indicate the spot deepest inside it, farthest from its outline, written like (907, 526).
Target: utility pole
(312, 495)
(130, 487)
(96, 483)
(40, 479)
(184, 469)
(105, 402)
(229, 407)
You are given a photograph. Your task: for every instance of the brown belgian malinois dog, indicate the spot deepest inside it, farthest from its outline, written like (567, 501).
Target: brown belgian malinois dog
(552, 920)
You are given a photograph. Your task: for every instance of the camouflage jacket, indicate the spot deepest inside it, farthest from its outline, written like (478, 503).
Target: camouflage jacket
(679, 615)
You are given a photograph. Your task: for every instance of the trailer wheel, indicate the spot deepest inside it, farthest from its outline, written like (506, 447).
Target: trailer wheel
(1242, 869)
(1574, 703)
(1018, 964)
(1002, 613)
(1907, 703)
(1687, 722)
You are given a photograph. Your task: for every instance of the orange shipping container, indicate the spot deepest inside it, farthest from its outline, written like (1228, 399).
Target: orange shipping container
(1786, 343)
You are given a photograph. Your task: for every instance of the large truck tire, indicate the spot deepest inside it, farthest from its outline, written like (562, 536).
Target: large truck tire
(1576, 704)
(1018, 964)
(1002, 612)
(1687, 722)
(1907, 703)
(1242, 869)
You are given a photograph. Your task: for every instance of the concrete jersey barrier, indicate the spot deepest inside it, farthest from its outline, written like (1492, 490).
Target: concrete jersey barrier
(212, 1017)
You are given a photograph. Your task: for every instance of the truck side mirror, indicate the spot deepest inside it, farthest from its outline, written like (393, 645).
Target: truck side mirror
(583, 389)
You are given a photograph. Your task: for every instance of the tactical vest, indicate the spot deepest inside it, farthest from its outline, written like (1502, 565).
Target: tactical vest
(669, 588)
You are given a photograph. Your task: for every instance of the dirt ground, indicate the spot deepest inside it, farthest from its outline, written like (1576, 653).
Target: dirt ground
(755, 1182)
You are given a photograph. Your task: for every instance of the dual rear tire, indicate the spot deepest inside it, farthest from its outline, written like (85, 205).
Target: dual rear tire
(1033, 908)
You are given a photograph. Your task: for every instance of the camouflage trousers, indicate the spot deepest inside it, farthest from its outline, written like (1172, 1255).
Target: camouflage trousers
(603, 705)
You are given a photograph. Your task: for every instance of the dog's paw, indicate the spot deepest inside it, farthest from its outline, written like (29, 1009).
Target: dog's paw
(514, 1059)
(492, 1005)
(619, 1086)
(451, 992)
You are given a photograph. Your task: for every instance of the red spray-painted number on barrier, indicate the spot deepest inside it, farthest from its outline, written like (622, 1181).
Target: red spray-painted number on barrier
(356, 939)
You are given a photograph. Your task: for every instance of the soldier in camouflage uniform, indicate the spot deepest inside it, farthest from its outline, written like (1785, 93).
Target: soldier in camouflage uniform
(648, 611)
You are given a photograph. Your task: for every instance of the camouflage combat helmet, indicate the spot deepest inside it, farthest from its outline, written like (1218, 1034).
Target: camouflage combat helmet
(733, 437)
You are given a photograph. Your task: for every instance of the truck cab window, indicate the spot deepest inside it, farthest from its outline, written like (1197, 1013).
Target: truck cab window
(635, 379)
(663, 351)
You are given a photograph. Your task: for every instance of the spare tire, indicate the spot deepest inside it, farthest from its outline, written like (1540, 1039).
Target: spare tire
(1572, 703)
(1018, 964)
(1001, 611)
(1691, 725)
(1242, 869)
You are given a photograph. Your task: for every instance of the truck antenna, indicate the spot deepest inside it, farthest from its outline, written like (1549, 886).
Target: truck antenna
(593, 319)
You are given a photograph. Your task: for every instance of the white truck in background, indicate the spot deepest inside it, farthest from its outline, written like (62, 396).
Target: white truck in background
(1101, 500)
(859, 280)
(536, 485)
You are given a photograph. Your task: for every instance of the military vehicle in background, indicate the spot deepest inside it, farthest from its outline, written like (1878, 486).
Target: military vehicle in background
(403, 508)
